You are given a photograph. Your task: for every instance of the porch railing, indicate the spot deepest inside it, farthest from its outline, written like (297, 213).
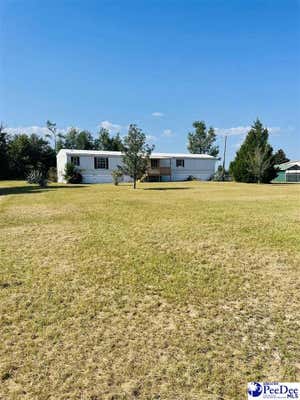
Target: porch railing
(159, 171)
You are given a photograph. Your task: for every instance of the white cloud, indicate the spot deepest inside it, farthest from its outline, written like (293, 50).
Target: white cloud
(243, 130)
(238, 130)
(28, 130)
(157, 114)
(167, 133)
(110, 126)
(38, 130)
(42, 130)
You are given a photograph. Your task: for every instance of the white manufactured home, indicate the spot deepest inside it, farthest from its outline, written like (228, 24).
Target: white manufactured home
(96, 166)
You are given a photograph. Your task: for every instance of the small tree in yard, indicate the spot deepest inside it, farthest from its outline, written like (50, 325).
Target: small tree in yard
(136, 154)
(72, 175)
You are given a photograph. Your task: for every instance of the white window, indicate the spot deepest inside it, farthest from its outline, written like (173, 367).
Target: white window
(179, 163)
(101, 163)
(75, 160)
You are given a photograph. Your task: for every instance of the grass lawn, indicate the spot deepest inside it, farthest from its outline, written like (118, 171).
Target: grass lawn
(174, 291)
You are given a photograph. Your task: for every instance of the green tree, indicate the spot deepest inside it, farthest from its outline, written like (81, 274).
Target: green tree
(70, 139)
(201, 141)
(254, 161)
(79, 140)
(117, 144)
(136, 154)
(103, 142)
(54, 134)
(85, 140)
(27, 153)
(280, 157)
(107, 142)
(4, 160)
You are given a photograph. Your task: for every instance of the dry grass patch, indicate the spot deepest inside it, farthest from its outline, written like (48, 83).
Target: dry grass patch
(109, 293)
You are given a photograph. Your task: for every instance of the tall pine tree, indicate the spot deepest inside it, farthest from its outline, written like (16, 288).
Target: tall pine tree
(254, 161)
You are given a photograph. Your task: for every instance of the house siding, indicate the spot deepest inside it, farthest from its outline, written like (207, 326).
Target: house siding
(201, 168)
(61, 160)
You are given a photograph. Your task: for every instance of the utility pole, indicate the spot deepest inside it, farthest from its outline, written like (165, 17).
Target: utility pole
(224, 156)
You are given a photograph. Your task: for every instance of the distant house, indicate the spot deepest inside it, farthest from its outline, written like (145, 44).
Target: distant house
(288, 172)
(97, 166)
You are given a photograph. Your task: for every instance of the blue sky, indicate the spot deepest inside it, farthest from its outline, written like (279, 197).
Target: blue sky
(160, 64)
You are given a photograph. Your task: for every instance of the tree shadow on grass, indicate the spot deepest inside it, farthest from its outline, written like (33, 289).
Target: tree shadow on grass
(34, 189)
(168, 188)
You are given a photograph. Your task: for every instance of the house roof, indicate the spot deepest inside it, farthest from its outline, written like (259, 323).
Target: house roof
(118, 153)
(288, 164)
(181, 155)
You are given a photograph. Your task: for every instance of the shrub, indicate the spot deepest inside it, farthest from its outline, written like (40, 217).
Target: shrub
(191, 178)
(117, 176)
(37, 177)
(52, 174)
(72, 174)
(220, 175)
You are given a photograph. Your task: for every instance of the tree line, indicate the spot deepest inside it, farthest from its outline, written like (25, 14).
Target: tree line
(255, 161)
(83, 139)
(20, 154)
